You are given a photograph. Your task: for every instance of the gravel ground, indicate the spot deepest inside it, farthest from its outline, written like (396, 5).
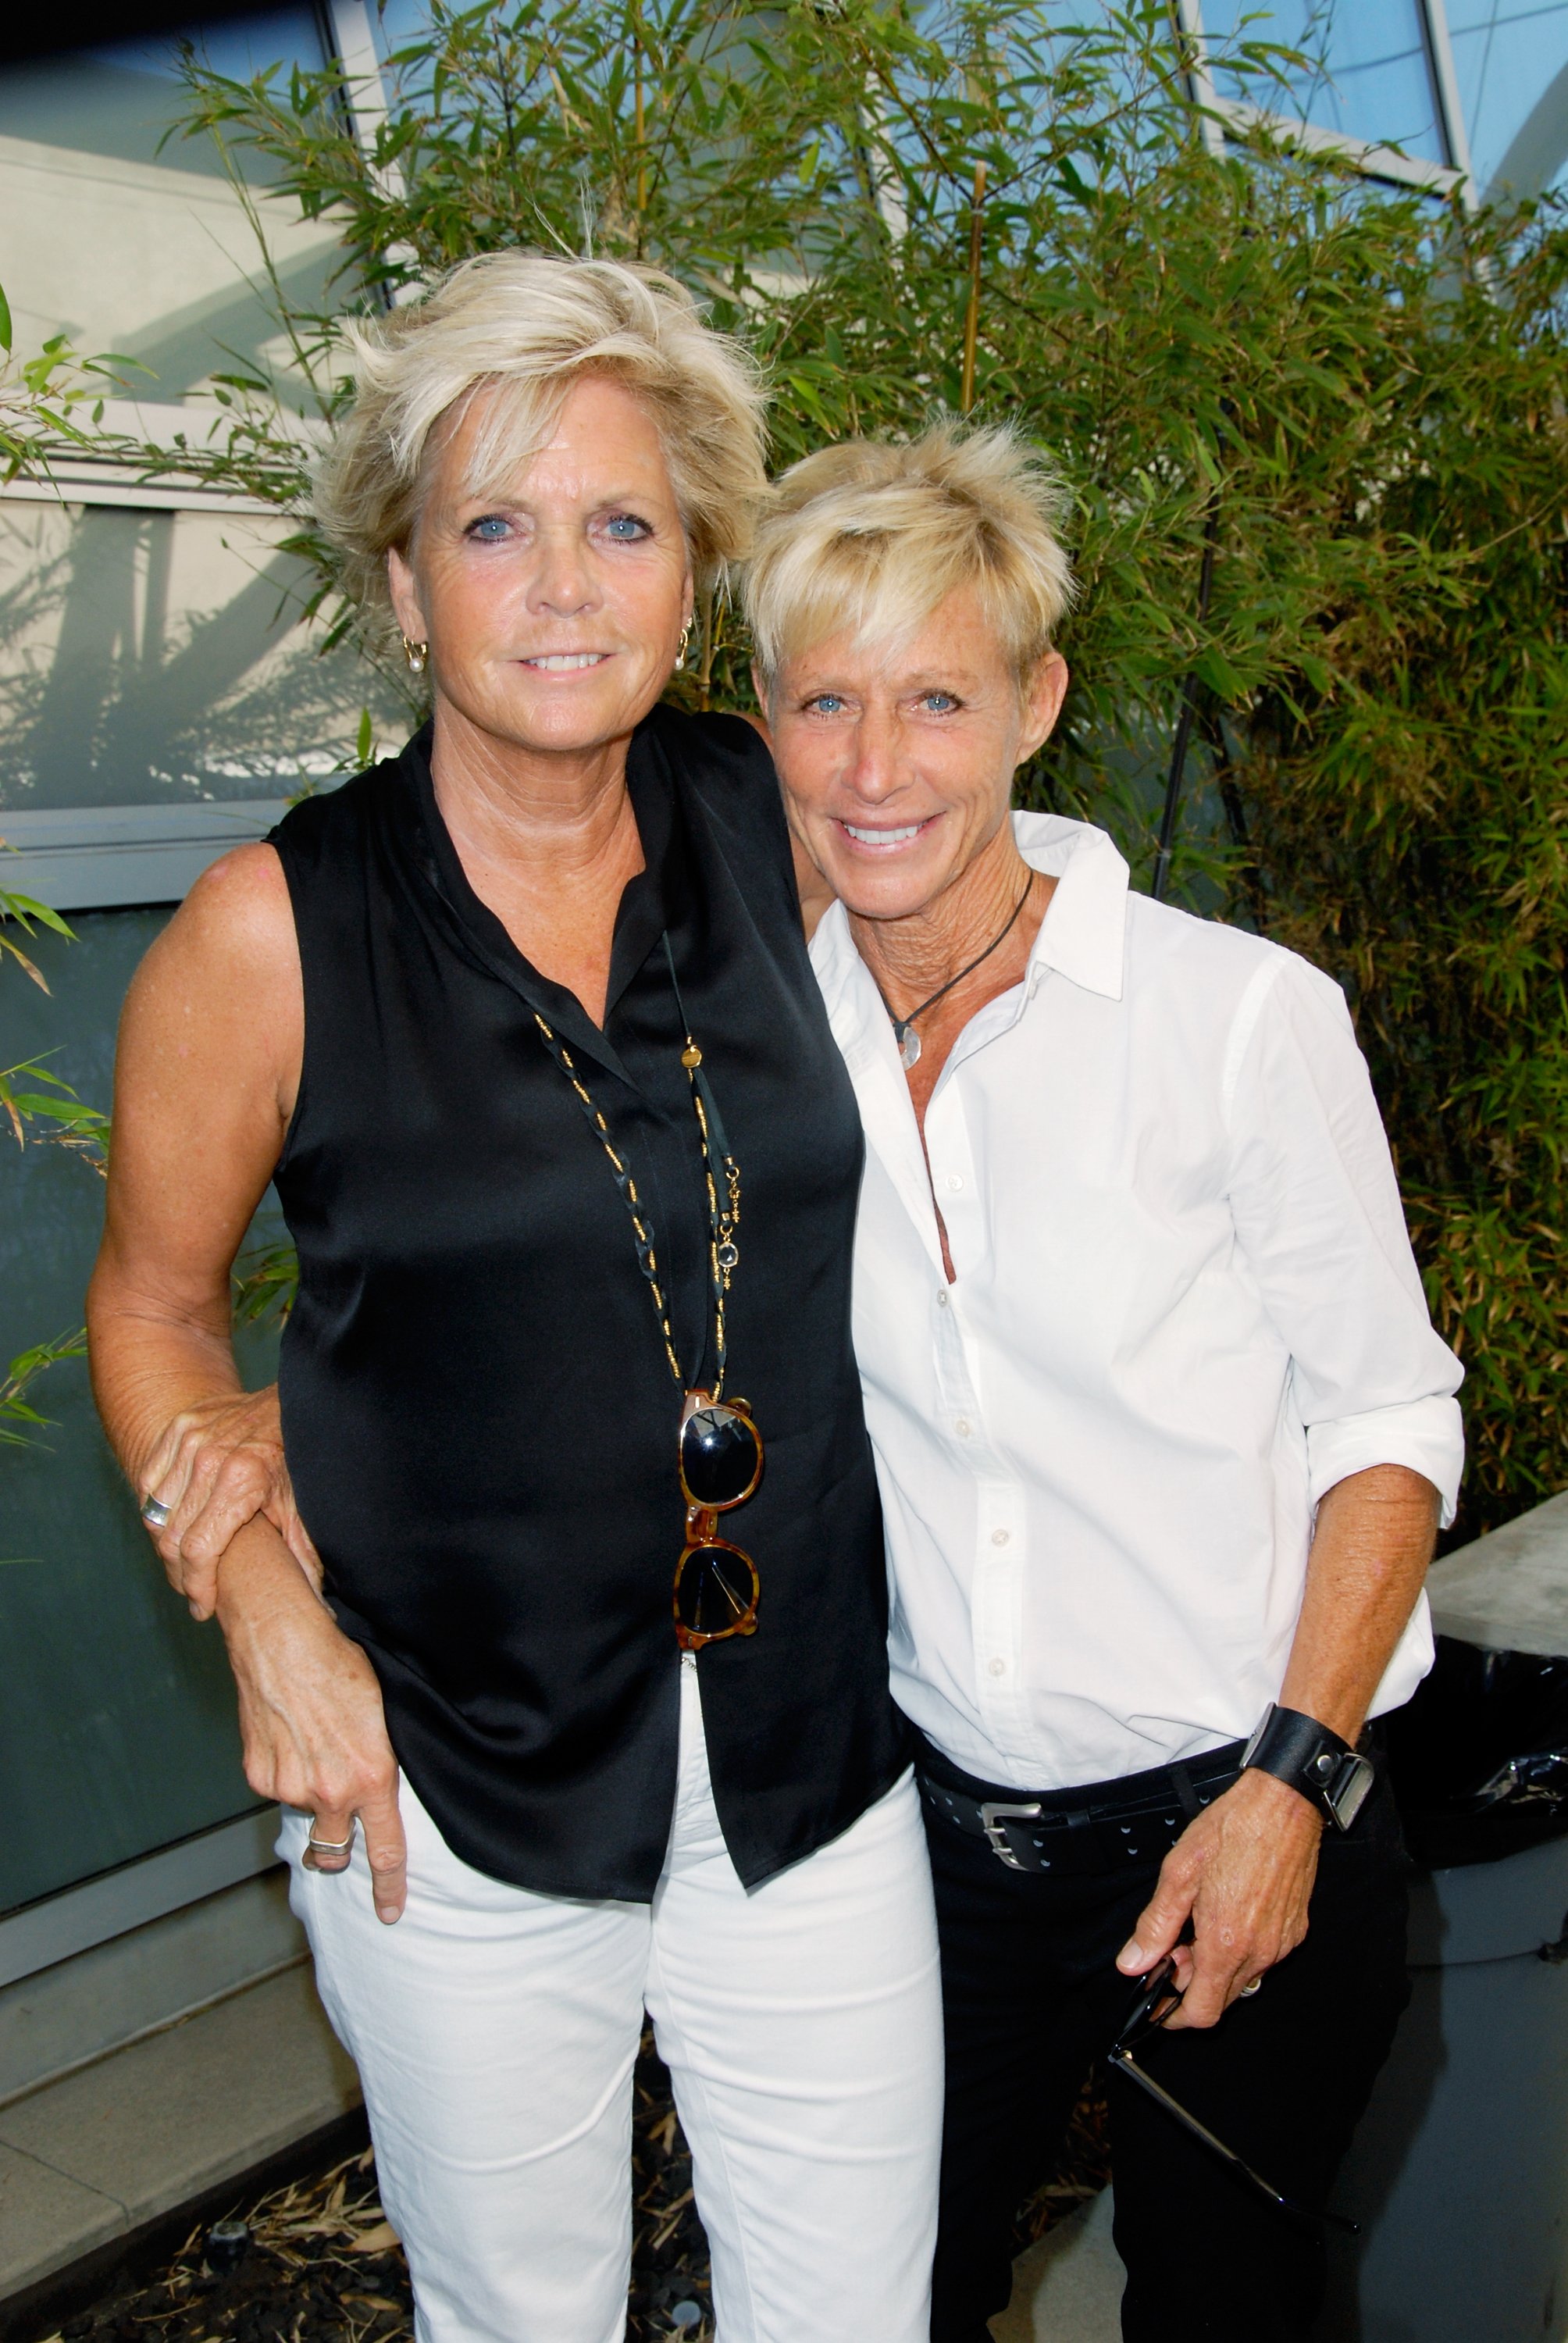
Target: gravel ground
(319, 2262)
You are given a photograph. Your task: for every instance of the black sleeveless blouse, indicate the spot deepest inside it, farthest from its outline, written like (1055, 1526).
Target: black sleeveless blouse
(477, 1411)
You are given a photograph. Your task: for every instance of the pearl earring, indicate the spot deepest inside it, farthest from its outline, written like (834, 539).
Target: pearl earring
(416, 654)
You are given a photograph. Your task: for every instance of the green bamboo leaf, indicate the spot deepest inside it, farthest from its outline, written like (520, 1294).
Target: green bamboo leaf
(1212, 667)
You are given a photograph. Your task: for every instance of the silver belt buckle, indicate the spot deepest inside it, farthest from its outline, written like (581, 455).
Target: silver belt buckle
(992, 1815)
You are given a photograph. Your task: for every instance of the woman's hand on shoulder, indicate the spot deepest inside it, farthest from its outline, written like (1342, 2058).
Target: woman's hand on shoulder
(220, 1465)
(310, 1712)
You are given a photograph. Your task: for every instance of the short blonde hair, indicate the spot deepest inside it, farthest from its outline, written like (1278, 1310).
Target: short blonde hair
(874, 534)
(530, 325)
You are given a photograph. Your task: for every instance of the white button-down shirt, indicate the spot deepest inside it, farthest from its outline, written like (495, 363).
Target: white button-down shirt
(1185, 1306)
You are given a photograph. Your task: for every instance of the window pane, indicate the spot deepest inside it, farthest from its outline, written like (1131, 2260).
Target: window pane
(118, 1730)
(130, 245)
(1510, 58)
(399, 24)
(150, 658)
(1369, 76)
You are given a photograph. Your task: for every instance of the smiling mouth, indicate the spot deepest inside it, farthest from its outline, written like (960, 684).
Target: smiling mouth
(882, 840)
(564, 662)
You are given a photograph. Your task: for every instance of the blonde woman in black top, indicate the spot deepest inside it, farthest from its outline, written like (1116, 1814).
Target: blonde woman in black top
(592, 1708)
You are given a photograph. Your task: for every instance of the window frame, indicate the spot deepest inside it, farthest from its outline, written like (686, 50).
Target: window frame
(1387, 164)
(93, 857)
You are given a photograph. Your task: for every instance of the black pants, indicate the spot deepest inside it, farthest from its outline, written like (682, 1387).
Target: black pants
(1031, 1999)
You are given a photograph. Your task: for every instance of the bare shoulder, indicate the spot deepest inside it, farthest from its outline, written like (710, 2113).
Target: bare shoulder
(240, 910)
(237, 924)
(220, 989)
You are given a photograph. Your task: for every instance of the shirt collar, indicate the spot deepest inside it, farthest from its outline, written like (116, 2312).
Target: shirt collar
(1083, 934)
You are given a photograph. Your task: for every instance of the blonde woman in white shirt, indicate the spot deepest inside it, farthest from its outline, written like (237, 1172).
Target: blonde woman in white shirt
(1162, 1429)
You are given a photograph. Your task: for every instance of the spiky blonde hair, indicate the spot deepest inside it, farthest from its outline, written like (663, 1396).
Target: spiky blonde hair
(524, 327)
(873, 535)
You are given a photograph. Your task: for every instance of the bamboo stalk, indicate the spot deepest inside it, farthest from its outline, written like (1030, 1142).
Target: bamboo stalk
(971, 319)
(1188, 717)
(641, 145)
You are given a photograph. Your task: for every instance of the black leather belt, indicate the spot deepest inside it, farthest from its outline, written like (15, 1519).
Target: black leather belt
(1101, 1826)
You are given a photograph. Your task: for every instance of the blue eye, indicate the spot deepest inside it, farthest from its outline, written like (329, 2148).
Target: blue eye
(932, 699)
(826, 703)
(626, 528)
(489, 530)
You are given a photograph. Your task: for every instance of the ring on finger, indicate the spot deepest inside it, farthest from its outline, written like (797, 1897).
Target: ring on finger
(314, 1846)
(155, 1512)
(1249, 1990)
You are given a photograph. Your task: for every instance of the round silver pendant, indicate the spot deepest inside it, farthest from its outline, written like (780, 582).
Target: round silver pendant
(908, 1048)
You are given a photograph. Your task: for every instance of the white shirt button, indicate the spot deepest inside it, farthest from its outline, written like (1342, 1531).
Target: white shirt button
(999, 1667)
(961, 1426)
(941, 1297)
(1000, 1537)
(955, 1180)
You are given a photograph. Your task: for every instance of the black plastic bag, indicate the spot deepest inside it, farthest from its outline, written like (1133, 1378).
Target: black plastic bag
(1479, 1757)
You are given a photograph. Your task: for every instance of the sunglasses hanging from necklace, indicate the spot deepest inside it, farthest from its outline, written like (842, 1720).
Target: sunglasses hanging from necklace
(719, 1454)
(904, 1032)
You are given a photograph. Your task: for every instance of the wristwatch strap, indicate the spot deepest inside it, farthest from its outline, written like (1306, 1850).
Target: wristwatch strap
(1299, 1751)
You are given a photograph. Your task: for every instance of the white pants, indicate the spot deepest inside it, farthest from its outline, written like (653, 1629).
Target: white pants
(495, 2031)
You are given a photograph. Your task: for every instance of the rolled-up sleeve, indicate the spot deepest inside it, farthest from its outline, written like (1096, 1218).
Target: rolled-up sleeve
(1319, 1222)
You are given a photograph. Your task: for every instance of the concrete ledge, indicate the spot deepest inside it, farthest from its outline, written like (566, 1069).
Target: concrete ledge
(70, 2014)
(101, 2153)
(1508, 1590)
(1067, 2288)
(128, 2262)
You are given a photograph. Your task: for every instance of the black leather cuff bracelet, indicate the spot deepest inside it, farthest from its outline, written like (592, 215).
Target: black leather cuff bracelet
(1304, 1754)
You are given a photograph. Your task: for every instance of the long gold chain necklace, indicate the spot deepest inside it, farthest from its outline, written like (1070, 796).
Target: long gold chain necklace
(723, 1187)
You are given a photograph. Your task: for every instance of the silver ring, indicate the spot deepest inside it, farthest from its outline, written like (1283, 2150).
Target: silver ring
(315, 1846)
(155, 1512)
(1248, 1990)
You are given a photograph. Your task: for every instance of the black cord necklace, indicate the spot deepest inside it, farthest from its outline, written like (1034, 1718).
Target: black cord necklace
(908, 1040)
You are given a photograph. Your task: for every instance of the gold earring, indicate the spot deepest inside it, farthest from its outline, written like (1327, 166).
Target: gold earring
(685, 639)
(416, 654)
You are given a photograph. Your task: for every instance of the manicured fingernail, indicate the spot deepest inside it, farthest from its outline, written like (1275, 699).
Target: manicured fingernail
(1130, 1956)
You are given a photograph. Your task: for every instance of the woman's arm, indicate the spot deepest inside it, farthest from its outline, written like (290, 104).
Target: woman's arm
(1243, 1871)
(210, 1047)
(1318, 1220)
(209, 1050)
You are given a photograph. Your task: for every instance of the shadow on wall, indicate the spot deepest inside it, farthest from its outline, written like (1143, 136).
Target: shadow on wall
(151, 657)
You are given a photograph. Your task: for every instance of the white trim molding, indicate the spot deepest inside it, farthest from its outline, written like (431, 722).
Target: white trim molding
(1373, 162)
(354, 38)
(79, 1917)
(1199, 80)
(87, 481)
(93, 857)
(1449, 106)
